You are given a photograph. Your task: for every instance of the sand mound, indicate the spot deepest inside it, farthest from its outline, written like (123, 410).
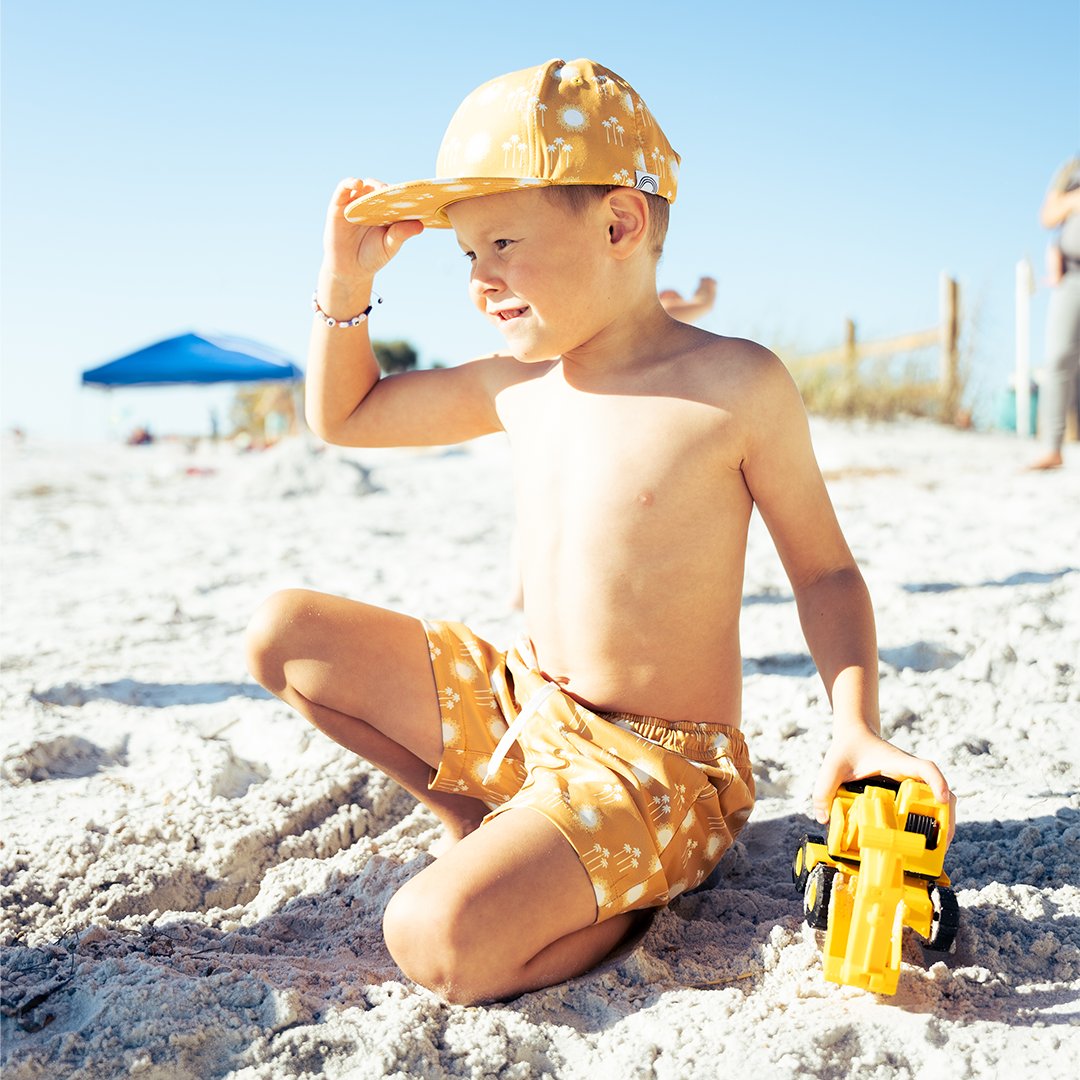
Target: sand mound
(303, 466)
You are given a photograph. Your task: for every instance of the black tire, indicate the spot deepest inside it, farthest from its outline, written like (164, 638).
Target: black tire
(946, 919)
(818, 893)
(799, 873)
(857, 787)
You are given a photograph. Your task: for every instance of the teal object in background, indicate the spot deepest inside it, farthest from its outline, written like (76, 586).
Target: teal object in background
(1005, 410)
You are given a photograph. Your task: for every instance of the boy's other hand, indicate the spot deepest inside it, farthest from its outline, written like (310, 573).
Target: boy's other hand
(353, 254)
(866, 754)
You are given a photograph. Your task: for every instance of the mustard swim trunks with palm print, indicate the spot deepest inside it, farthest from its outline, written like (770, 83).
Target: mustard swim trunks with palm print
(649, 806)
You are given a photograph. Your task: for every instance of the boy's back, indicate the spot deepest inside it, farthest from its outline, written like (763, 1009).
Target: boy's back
(640, 447)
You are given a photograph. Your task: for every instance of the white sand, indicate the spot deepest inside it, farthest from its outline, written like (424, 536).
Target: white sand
(193, 878)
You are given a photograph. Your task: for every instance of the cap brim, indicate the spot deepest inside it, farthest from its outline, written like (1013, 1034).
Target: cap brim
(426, 200)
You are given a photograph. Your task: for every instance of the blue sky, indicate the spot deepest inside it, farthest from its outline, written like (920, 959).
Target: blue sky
(166, 166)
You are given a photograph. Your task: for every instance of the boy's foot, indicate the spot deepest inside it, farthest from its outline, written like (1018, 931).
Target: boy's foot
(1052, 459)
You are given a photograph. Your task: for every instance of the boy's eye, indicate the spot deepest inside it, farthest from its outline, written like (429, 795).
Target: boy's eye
(470, 255)
(502, 245)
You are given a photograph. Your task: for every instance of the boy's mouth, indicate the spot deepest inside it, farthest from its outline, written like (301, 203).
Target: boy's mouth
(509, 313)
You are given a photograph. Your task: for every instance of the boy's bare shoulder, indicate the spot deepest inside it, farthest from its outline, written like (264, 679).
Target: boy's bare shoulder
(734, 371)
(747, 354)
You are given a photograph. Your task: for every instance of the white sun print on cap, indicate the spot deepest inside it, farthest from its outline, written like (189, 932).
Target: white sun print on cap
(476, 149)
(573, 119)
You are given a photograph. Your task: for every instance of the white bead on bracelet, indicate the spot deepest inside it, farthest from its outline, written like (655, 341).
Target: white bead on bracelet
(344, 324)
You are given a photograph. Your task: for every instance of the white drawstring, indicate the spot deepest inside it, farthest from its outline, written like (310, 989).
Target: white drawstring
(515, 729)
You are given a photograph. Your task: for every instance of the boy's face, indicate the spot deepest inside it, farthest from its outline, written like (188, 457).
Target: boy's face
(537, 269)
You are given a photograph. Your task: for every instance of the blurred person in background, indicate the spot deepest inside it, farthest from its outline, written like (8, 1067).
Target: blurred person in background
(1061, 211)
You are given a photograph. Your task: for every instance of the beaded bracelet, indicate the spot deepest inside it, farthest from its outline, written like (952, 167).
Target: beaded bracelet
(344, 324)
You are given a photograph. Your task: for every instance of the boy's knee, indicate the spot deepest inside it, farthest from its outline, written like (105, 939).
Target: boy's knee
(420, 936)
(267, 635)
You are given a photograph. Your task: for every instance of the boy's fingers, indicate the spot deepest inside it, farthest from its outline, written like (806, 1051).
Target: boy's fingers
(399, 232)
(348, 189)
(931, 775)
(823, 797)
(352, 187)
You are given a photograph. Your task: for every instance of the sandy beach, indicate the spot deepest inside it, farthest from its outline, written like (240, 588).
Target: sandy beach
(193, 878)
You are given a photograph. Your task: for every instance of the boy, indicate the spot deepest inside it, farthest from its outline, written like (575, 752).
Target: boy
(602, 754)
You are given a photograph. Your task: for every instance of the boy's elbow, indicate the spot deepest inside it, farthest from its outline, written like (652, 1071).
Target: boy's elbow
(842, 576)
(327, 428)
(316, 422)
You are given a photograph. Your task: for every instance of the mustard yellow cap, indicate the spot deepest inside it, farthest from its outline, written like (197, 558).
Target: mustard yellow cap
(559, 123)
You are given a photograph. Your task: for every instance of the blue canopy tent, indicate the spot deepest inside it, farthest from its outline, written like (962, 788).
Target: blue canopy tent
(195, 358)
(201, 359)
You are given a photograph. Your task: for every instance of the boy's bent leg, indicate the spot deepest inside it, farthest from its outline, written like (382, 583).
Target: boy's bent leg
(361, 675)
(508, 910)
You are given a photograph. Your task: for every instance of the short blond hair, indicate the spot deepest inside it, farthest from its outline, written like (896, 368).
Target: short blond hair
(577, 198)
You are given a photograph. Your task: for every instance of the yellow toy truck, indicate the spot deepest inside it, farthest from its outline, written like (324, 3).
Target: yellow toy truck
(879, 870)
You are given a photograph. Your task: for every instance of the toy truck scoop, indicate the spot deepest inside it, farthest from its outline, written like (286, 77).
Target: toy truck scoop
(879, 870)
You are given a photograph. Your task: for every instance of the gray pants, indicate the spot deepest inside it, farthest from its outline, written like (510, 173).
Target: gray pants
(1062, 356)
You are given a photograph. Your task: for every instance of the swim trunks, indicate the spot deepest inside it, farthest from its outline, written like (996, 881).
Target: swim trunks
(649, 806)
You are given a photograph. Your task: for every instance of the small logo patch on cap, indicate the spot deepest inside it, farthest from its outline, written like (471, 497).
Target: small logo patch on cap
(647, 181)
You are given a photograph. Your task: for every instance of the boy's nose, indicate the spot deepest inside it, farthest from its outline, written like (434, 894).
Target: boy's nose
(485, 280)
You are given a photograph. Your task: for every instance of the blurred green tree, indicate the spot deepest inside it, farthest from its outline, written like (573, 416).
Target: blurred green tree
(394, 356)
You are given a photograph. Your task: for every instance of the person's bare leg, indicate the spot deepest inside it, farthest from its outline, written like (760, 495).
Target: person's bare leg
(508, 910)
(362, 675)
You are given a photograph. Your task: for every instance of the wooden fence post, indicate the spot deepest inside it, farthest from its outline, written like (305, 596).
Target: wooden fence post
(851, 359)
(949, 332)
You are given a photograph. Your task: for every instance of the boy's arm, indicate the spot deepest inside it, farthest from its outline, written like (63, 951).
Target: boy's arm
(834, 604)
(346, 402)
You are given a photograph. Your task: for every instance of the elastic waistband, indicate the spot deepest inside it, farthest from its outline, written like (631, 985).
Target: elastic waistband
(698, 742)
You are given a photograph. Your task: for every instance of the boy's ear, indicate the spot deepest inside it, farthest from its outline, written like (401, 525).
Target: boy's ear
(626, 213)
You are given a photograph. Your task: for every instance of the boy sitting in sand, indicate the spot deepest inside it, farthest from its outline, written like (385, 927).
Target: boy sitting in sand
(597, 767)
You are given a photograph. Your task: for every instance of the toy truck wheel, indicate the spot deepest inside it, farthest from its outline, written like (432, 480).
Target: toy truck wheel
(819, 885)
(799, 871)
(945, 921)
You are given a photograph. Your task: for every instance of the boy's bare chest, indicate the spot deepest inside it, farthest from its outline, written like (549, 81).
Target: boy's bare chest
(635, 453)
